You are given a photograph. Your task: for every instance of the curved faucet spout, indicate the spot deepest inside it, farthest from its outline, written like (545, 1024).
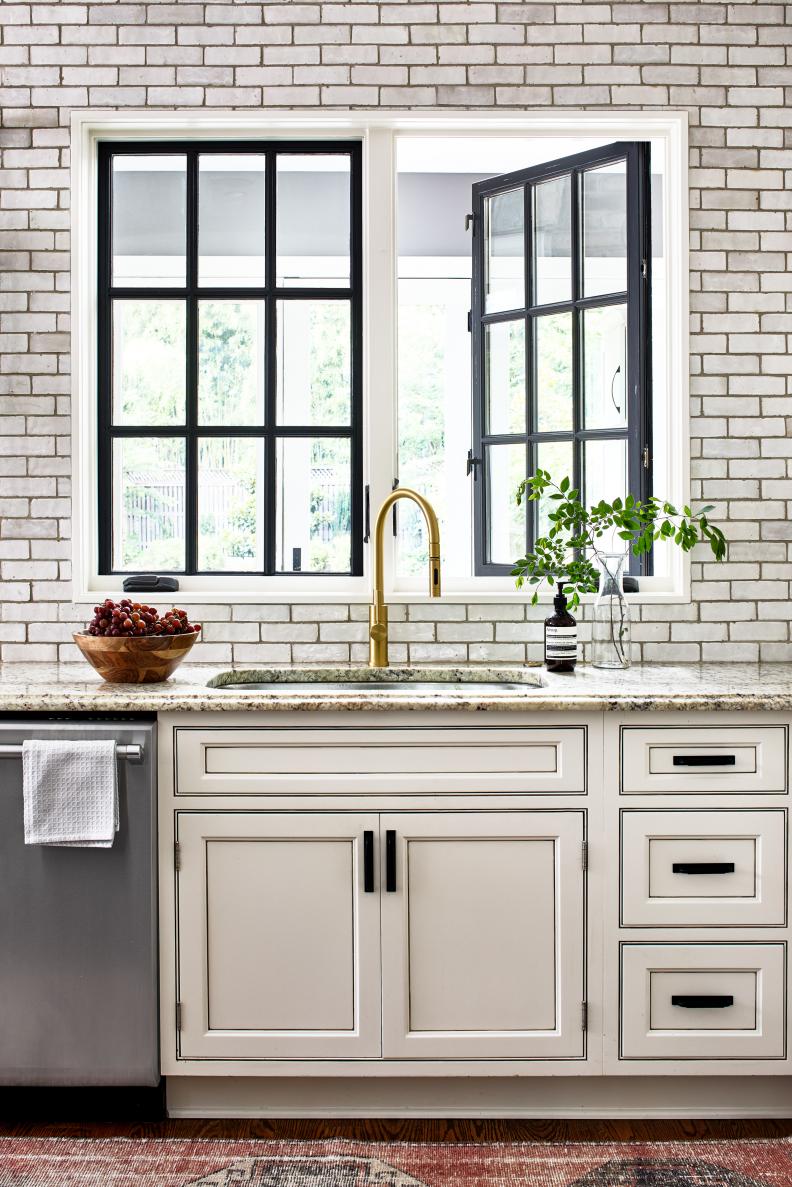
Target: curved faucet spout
(378, 613)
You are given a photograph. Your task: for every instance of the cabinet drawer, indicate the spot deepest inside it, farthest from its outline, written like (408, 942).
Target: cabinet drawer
(723, 759)
(703, 869)
(703, 1001)
(342, 761)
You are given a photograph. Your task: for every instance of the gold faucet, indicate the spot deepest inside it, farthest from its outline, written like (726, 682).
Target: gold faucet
(378, 611)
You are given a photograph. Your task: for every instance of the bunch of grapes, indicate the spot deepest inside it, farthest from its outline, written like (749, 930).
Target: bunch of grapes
(133, 619)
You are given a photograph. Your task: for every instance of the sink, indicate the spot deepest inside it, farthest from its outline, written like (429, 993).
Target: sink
(395, 681)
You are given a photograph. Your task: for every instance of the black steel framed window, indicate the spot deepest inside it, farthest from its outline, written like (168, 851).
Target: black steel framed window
(229, 329)
(561, 341)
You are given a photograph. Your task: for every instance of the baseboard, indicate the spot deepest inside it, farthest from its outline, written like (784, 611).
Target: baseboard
(662, 1097)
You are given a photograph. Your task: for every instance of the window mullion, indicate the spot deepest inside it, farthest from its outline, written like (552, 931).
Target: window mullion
(191, 392)
(578, 469)
(269, 501)
(531, 419)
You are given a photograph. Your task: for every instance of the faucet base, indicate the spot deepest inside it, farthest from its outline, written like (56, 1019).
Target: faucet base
(378, 636)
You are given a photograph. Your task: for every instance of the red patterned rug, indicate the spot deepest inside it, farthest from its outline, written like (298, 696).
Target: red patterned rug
(170, 1162)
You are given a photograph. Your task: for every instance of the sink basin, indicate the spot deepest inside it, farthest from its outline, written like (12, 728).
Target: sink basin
(393, 687)
(398, 681)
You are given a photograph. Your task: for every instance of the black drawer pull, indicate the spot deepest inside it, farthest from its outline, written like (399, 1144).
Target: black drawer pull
(703, 867)
(705, 760)
(390, 860)
(368, 861)
(693, 1001)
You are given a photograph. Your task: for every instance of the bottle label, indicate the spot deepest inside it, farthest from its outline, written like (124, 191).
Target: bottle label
(560, 642)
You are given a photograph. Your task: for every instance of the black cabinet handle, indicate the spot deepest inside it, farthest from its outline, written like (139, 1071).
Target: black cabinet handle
(390, 860)
(705, 760)
(368, 861)
(692, 1001)
(703, 867)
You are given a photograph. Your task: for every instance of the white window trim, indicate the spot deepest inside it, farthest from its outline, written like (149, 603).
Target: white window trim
(378, 132)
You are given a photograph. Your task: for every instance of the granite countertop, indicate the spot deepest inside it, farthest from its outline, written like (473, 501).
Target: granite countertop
(75, 687)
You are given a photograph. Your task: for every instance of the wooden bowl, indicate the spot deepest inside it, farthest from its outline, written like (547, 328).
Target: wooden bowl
(144, 660)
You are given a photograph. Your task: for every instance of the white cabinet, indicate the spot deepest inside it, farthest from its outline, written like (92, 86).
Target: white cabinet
(702, 1001)
(278, 942)
(475, 898)
(703, 869)
(481, 938)
(482, 935)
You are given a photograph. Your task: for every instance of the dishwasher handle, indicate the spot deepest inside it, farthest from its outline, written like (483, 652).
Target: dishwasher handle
(132, 753)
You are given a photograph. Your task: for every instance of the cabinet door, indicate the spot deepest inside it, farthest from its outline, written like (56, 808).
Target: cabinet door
(483, 935)
(278, 939)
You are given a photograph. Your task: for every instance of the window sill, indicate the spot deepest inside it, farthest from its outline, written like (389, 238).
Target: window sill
(359, 593)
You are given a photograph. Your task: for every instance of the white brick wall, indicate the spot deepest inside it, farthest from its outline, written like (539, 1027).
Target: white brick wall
(729, 65)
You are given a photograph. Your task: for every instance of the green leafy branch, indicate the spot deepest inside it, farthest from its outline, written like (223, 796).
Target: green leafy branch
(564, 553)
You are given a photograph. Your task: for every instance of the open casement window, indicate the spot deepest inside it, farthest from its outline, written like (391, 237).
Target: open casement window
(230, 435)
(560, 334)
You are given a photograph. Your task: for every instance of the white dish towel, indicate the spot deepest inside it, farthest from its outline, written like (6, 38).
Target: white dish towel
(70, 792)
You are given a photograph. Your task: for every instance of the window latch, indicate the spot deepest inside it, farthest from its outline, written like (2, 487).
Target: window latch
(472, 464)
(644, 269)
(470, 221)
(645, 457)
(395, 515)
(366, 514)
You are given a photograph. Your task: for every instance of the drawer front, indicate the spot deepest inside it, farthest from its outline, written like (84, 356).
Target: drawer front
(701, 761)
(703, 1001)
(703, 869)
(343, 761)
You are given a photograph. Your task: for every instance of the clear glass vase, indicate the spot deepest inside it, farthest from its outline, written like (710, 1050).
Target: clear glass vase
(610, 625)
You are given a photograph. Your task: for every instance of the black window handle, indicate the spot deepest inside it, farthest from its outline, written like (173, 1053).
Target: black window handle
(390, 860)
(692, 1001)
(703, 867)
(705, 760)
(368, 861)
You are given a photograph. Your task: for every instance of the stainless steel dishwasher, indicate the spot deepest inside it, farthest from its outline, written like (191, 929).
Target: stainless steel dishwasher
(78, 932)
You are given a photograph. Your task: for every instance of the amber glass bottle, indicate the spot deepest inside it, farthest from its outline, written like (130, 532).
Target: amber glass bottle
(560, 636)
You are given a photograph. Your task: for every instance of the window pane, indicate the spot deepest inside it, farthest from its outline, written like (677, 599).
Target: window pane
(504, 378)
(149, 362)
(554, 410)
(314, 363)
(605, 470)
(148, 504)
(504, 470)
(605, 367)
(231, 362)
(604, 197)
(231, 204)
(557, 457)
(230, 478)
(313, 220)
(504, 239)
(313, 505)
(149, 223)
(552, 241)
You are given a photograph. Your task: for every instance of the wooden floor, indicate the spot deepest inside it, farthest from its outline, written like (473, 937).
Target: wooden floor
(410, 1131)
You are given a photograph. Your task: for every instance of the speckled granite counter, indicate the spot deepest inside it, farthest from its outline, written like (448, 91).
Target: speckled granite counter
(74, 687)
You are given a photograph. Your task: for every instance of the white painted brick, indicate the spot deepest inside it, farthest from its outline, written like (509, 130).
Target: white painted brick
(481, 54)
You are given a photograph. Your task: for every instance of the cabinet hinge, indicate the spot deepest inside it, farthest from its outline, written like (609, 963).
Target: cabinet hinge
(584, 854)
(178, 1016)
(584, 1015)
(176, 855)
